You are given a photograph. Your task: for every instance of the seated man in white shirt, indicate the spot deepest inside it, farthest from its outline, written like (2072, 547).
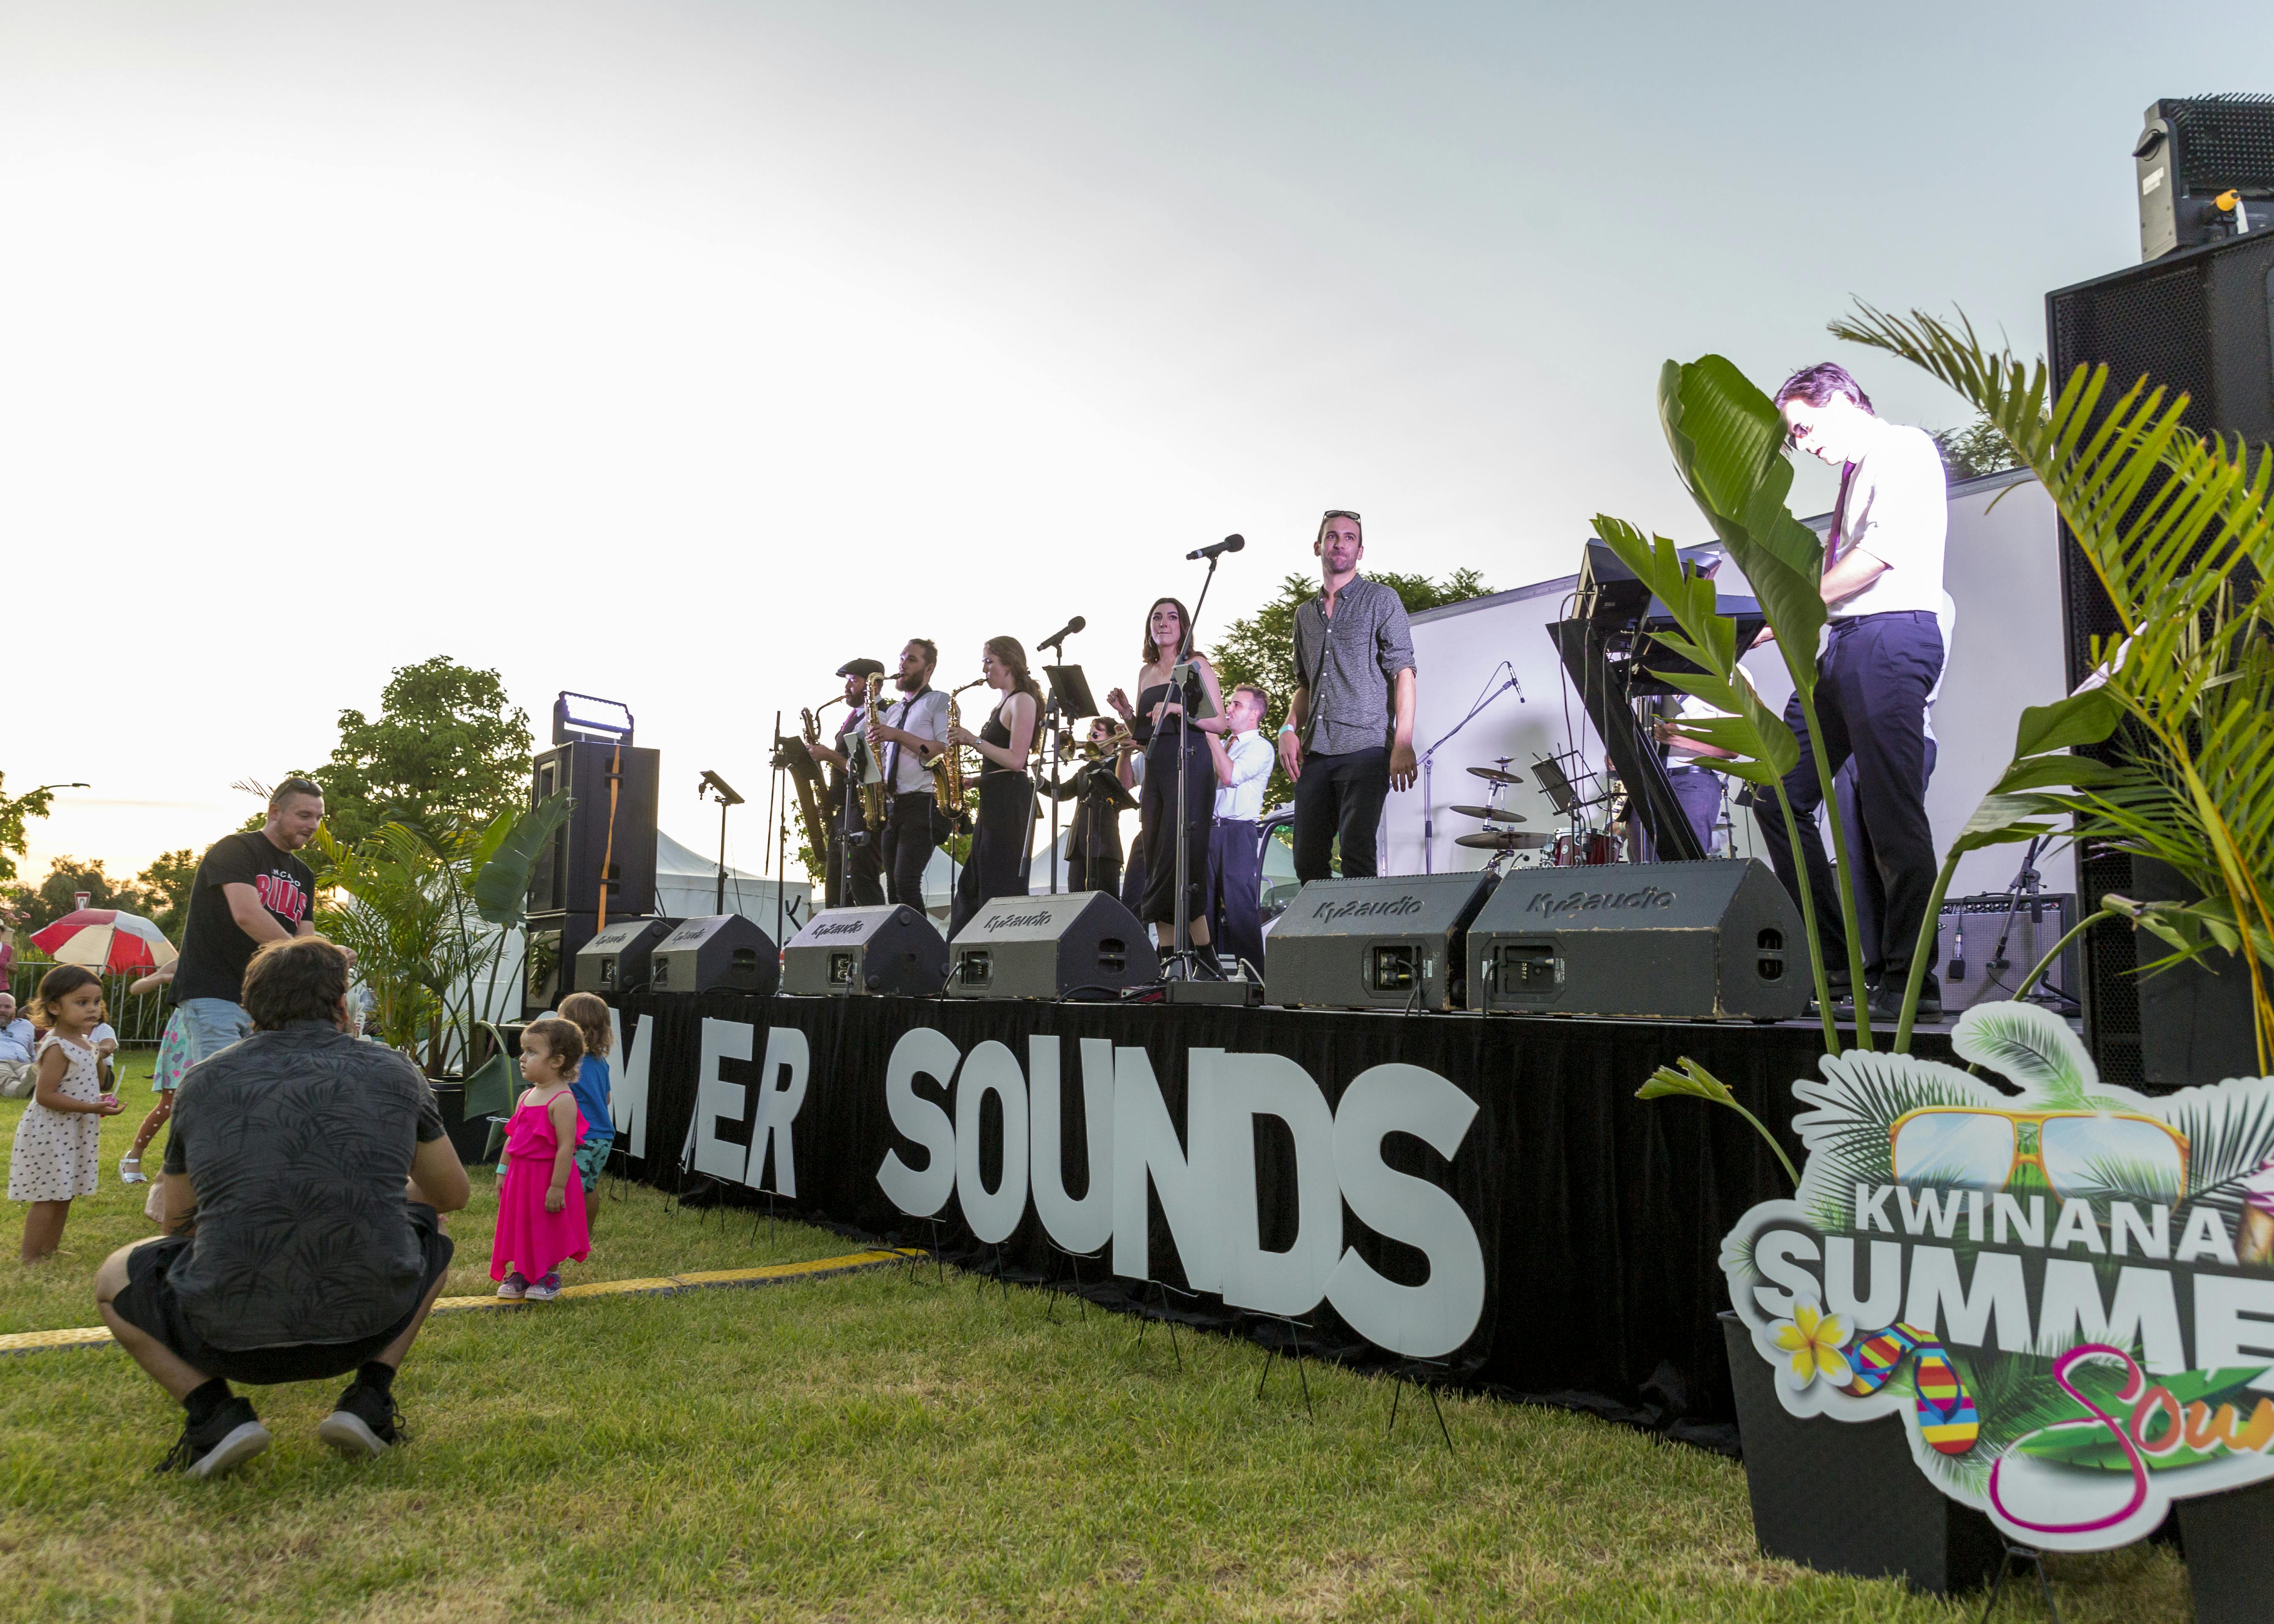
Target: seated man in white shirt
(1235, 857)
(16, 1042)
(1882, 586)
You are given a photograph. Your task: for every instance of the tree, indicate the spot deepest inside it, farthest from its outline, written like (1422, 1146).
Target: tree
(447, 743)
(1260, 648)
(66, 877)
(165, 886)
(14, 812)
(1974, 450)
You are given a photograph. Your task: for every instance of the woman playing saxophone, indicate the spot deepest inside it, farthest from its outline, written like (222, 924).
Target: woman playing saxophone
(1000, 839)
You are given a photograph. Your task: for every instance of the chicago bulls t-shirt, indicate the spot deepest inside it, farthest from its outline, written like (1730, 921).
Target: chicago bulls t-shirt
(214, 951)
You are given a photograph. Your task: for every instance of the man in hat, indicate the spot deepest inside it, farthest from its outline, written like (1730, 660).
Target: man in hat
(855, 878)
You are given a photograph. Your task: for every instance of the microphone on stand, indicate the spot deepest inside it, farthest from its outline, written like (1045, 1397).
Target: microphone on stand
(1230, 544)
(1057, 639)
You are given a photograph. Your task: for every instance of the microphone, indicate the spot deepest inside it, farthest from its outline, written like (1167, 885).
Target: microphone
(1057, 639)
(1230, 544)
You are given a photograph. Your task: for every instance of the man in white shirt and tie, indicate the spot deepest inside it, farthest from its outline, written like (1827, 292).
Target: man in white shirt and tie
(1882, 585)
(1242, 767)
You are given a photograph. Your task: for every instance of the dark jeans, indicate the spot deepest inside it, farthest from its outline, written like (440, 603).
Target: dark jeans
(1340, 796)
(905, 846)
(1699, 789)
(861, 881)
(999, 836)
(1236, 890)
(1870, 700)
(1871, 890)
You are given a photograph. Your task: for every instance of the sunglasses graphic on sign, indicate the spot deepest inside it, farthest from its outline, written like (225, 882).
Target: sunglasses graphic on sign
(2070, 1153)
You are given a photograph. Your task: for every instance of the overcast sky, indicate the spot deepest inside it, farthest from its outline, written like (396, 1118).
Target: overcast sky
(679, 352)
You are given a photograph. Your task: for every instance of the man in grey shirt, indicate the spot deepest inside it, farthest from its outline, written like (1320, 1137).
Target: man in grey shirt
(1348, 733)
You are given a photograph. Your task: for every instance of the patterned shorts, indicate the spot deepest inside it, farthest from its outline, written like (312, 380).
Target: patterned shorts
(174, 1054)
(592, 1157)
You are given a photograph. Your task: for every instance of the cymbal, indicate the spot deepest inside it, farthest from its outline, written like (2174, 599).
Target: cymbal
(1504, 840)
(1502, 813)
(1495, 775)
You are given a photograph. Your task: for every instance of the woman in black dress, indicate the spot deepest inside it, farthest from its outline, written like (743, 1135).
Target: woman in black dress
(1157, 722)
(1004, 829)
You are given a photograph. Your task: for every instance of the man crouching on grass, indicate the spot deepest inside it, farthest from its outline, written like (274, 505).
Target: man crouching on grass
(303, 1190)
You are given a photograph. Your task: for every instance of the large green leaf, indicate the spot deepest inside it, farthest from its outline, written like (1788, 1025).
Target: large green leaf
(501, 888)
(2085, 718)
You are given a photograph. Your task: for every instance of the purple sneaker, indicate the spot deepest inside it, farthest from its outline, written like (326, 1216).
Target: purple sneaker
(514, 1287)
(545, 1289)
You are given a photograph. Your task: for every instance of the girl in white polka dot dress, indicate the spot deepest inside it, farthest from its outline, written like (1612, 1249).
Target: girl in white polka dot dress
(58, 1141)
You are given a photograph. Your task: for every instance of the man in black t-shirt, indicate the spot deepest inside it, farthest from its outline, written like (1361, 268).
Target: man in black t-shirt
(250, 889)
(303, 1191)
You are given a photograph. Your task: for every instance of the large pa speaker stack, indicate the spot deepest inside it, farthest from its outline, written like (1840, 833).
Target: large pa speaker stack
(1049, 947)
(1389, 942)
(1717, 940)
(567, 881)
(2200, 320)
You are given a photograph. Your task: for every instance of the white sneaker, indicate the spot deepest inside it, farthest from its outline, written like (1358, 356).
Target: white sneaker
(130, 1170)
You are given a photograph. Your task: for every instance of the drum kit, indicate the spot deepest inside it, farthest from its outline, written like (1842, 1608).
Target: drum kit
(1582, 845)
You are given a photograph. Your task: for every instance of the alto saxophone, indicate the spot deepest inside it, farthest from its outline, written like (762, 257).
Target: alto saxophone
(947, 767)
(872, 775)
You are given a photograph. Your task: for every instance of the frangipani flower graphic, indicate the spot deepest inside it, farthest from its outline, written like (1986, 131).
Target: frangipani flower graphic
(1813, 1340)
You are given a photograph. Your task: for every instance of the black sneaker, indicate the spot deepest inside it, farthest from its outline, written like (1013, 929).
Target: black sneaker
(1887, 1003)
(231, 1437)
(364, 1422)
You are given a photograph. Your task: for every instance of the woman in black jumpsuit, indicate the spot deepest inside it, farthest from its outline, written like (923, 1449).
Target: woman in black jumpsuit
(1005, 826)
(1157, 722)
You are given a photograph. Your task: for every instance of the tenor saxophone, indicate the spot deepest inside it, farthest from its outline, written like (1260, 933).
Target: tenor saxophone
(872, 776)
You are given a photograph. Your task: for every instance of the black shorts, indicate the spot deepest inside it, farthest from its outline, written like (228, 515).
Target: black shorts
(149, 1305)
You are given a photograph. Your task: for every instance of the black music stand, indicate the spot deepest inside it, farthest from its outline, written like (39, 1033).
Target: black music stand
(1070, 701)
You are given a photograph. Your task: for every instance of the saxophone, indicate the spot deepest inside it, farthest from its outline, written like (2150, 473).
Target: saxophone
(792, 757)
(872, 775)
(948, 767)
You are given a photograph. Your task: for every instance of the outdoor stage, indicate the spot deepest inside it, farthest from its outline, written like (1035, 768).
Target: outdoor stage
(1598, 1217)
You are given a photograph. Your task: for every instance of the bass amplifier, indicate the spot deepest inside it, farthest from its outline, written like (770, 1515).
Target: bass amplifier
(617, 960)
(888, 950)
(724, 952)
(1047, 947)
(1386, 942)
(1718, 940)
(1971, 970)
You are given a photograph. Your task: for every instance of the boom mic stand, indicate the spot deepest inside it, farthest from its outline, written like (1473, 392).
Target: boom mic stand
(1183, 962)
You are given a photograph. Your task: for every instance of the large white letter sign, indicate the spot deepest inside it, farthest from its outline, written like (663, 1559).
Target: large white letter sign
(781, 1090)
(1085, 1225)
(1243, 1087)
(715, 1097)
(993, 1069)
(628, 1081)
(1421, 1322)
(922, 1051)
(1145, 1149)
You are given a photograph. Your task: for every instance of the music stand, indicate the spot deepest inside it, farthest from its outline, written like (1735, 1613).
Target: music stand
(1549, 773)
(1070, 701)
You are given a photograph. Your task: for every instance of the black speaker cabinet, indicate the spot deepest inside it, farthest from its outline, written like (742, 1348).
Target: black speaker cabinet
(549, 966)
(617, 960)
(1718, 940)
(888, 950)
(2193, 151)
(1971, 971)
(1391, 942)
(567, 875)
(1047, 947)
(724, 952)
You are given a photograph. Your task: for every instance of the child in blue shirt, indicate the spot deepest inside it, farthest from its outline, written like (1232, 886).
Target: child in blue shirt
(589, 1013)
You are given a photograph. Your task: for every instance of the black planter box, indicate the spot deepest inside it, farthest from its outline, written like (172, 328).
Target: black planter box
(469, 1138)
(1846, 1497)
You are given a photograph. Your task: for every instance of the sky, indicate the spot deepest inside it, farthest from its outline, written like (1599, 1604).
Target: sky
(679, 352)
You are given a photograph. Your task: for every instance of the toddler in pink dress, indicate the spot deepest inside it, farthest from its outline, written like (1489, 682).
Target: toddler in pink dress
(540, 1219)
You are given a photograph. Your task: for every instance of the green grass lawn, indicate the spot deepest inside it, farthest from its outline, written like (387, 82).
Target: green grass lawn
(873, 1446)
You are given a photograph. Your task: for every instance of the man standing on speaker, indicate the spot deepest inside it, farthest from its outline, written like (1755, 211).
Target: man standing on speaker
(856, 874)
(911, 732)
(1348, 733)
(1882, 583)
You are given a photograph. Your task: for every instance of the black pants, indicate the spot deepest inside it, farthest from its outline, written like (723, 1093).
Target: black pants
(1157, 812)
(861, 883)
(1094, 855)
(1870, 700)
(1236, 890)
(1132, 880)
(1340, 797)
(905, 847)
(1871, 889)
(999, 839)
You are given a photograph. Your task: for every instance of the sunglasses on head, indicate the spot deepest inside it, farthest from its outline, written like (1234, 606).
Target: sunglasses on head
(1339, 513)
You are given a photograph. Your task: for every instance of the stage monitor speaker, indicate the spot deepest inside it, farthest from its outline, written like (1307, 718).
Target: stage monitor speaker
(566, 877)
(1971, 971)
(1395, 942)
(617, 960)
(1718, 940)
(2194, 154)
(1048, 947)
(724, 952)
(845, 950)
(2197, 320)
(553, 940)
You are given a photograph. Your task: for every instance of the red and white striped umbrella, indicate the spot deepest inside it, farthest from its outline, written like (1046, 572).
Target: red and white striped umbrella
(105, 939)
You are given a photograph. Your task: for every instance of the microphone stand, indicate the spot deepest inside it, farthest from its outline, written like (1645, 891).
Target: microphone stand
(1181, 958)
(1428, 805)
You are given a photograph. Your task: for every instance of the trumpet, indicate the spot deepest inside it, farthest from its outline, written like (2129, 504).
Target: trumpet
(1101, 749)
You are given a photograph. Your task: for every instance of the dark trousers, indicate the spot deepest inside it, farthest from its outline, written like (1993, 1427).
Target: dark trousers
(1236, 890)
(861, 883)
(1000, 836)
(1340, 797)
(906, 848)
(1132, 880)
(1699, 789)
(1093, 851)
(1871, 889)
(1870, 701)
(1157, 822)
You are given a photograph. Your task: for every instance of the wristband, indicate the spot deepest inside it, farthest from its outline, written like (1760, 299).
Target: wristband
(1285, 728)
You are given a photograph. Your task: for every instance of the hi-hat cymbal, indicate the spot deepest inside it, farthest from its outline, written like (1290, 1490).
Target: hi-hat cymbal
(1495, 775)
(1504, 840)
(1502, 813)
